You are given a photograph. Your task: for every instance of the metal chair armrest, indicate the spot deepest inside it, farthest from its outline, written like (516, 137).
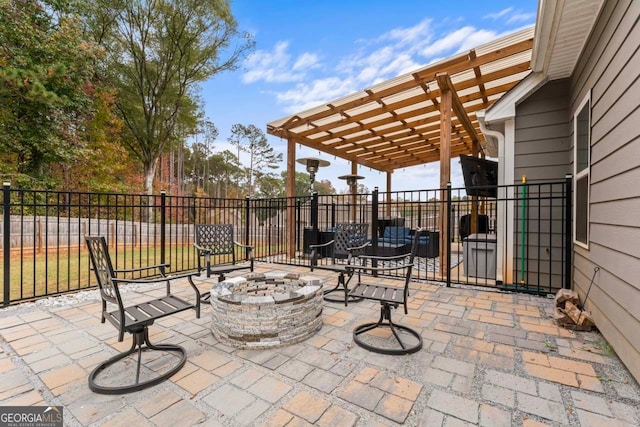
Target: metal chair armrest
(249, 249)
(314, 251)
(134, 270)
(383, 258)
(356, 248)
(243, 246)
(117, 280)
(201, 248)
(365, 268)
(321, 245)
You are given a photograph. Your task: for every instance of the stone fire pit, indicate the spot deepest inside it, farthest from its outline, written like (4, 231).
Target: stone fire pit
(269, 310)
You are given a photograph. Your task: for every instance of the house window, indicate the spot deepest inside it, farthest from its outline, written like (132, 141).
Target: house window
(582, 155)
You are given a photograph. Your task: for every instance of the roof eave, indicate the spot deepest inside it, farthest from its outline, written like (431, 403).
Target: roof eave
(505, 107)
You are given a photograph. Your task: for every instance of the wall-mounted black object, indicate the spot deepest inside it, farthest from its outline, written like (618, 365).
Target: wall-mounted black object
(480, 176)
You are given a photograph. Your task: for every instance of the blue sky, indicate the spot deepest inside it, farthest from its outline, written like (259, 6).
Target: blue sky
(312, 52)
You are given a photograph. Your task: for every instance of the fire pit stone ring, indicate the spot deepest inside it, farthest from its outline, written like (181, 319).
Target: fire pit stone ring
(266, 310)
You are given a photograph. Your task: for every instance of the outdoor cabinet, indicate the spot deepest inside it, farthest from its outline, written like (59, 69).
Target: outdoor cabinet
(479, 252)
(323, 237)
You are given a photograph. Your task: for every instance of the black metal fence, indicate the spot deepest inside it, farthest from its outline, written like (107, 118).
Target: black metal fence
(519, 240)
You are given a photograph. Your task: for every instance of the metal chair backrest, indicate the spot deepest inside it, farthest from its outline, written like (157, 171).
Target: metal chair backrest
(412, 256)
(101, 261)
(217, 238)
(350, 235)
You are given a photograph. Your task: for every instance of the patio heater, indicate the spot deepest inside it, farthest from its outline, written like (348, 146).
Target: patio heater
(313, 164)
(310, 235)
(352, 182)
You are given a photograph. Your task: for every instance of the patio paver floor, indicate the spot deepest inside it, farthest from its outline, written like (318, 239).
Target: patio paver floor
(489, 359)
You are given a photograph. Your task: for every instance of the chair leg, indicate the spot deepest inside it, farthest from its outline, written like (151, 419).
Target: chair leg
(206, 296)
(385, 314)
(345, 289)
(140, 343)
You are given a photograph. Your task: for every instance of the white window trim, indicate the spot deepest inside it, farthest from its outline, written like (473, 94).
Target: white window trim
(587, 171)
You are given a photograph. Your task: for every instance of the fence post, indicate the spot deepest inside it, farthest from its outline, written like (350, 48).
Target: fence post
(314, 213)
(333, 214)
(447, 230)
(6, 241)
(374, 226)
(298, 203)
(568, 234)
(163, 223)
(247, 219)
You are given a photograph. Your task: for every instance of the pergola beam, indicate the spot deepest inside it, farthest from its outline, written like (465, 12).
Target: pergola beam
(481, 88)
(444, 81)
(308, 143)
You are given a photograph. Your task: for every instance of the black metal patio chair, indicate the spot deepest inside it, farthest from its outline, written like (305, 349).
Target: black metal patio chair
(350, 241)
(135, 319)
(216, 241)
(217, 248)
(389, 297)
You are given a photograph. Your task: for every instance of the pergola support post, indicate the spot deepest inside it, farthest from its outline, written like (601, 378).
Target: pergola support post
(354, 191)
(445, 177)
(474, 199)
(388, 205)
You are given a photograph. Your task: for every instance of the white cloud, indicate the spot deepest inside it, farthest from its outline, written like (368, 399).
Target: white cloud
(306, 61)
(401, 64)
(521, 17)
(450, 42)
(477, 38)
(497, 15)
(403, 36)
(275, 66)
(314, 93)
(511, 16)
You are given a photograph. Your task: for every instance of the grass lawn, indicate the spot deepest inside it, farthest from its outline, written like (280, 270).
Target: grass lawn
(35, 275)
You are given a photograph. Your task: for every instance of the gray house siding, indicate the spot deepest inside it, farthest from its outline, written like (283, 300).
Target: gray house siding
(541, 153)
(542, 138)
(609, 70)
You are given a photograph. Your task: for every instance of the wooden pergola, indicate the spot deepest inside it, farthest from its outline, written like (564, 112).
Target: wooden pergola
(408, 121)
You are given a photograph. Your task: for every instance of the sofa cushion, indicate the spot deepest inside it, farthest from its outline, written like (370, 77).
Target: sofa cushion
(396, 235)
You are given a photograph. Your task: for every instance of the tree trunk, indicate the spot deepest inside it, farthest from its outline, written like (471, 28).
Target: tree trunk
(149, 174)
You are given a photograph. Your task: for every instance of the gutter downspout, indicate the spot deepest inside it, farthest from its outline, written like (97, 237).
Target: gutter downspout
(505, 204)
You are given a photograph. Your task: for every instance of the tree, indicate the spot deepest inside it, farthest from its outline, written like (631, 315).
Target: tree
(270, 186)
(158, 52)
(225, 170)
(302, 185)
(106, 165)
(262, 156)
(46, 72)
(324, 187)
